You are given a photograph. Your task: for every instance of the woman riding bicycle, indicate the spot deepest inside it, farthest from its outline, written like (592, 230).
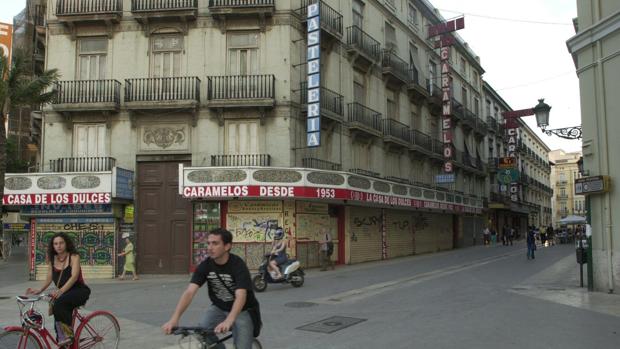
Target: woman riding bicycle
(64, 270)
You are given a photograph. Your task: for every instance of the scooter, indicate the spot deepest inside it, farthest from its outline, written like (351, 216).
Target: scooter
(291, 273)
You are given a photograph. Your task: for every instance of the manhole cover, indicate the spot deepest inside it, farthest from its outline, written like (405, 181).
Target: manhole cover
(519, 288)
(331, 325)
(4, 297)
(299, 304)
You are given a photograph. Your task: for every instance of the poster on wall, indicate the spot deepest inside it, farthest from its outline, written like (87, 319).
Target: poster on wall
(206, 218)
(253, 227)
(93, 239)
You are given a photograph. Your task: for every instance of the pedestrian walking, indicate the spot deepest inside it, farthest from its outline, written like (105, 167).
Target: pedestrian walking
(531, 243)
(327, 249)
(511, 235)
(486, 235)
(130, 261)
(493, 236)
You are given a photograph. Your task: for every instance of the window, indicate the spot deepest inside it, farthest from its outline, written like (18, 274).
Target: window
(393, 164)
(242, 53)
(463, 65)
(89, 140)
(487, 109)
(391, 4)
(242, 137)
(390, 38)
(392, 104)
(477, 107)
(359, 87)
(431, 75)
(166, 57)
(412, 15)
(358, 13)
(475, 79)
(464, 97)
(92, 58)
(415, 118)
(361, 156)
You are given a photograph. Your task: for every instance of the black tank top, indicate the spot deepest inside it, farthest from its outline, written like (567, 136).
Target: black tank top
(61, 280)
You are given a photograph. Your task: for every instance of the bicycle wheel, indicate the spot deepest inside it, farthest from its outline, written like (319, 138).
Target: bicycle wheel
(16, 339)
(98, 330)
(190, 342)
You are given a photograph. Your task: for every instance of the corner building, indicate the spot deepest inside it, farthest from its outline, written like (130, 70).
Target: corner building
(206, 102)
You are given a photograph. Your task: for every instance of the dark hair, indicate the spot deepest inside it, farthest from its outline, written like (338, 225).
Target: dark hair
(226, 236)
(68, 242)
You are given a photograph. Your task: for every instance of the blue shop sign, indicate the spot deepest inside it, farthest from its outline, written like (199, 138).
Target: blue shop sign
(57, 210)
(122, 187)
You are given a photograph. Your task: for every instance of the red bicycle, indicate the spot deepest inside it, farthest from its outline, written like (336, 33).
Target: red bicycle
(99, 329)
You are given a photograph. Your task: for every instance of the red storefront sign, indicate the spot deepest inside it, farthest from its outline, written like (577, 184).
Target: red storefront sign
(260, 191)
(59, 198)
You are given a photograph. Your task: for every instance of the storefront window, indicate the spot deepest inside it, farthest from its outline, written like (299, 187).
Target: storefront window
(206, 218)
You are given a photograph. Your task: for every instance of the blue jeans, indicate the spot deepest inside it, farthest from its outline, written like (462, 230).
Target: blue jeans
(243, 328)
(530, 252)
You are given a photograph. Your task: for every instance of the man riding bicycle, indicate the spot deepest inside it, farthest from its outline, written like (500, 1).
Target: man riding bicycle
(230, 290)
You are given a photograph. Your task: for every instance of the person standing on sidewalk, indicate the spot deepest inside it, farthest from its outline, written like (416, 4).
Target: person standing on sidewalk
(531, 243)
(130, 260)
(327, 249)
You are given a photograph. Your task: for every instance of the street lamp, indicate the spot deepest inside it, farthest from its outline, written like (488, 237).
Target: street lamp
(541, 110)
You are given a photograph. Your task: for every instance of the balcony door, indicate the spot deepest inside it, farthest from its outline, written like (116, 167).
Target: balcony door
(166, 55)
(242, 138)
(89, 140)
(242, 50)
(92, 58)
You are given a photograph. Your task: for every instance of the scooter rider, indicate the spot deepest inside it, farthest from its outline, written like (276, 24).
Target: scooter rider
(278, 253)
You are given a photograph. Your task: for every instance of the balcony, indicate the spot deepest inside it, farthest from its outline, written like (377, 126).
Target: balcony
(469, 119)
(421, 143)
(481, 128)
(458, 111)
(492, 164)
(395, 69)
(396, 133)
(241, 160)
(82, 164)
(320, 164)
(182, 10)
(492, 125)
(417, 92)
(435, 101)
(222, 10)
(332, 103)
(331, 21)
(87, 95)
(362, 48)
(73, 11)
(363, 172)
(364, 120)
(162, 93)
(241, 91)
(437, 153)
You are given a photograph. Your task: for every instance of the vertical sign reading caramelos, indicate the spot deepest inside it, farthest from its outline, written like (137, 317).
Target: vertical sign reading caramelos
(444, 43)
(6, 37)
(314, 77)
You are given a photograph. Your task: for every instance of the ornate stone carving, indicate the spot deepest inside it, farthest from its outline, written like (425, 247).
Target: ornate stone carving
(281, 176)
(325, 178)
(85, 182)
(359, 182)
(51, 182)
(18, 183)
(211, 176)
(381, 187)
(428, 194)
(441, 196)
(417, 192)
(163, 137)
(399, 189)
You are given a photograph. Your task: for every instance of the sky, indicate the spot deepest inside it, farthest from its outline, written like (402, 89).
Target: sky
(523, 61)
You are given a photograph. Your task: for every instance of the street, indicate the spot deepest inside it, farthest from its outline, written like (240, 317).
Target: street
(479, 297)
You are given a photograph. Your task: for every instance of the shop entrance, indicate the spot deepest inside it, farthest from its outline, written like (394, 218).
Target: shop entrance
(164, 219)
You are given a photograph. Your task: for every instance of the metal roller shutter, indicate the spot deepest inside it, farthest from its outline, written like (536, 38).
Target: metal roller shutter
(365, 234)
(399, 234)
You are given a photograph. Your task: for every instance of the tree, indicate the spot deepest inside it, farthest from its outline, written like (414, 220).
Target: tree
(19, 88)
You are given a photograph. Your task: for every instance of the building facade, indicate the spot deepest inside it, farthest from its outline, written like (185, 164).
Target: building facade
(564, 172)
(595, 48)
(207, 103)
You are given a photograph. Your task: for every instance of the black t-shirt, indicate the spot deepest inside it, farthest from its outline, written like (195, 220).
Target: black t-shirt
(234, 274)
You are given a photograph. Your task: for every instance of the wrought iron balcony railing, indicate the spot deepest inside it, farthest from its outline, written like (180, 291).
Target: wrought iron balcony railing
(364, 43)
(82, 164)
(88, 91)
(331, 20)
(163, 5)
(320, 164)
(330, 100)
(397, 130)
(88, 7)
(241, 87)
(241, 160)
(162, 89)
(422, 140)
(240, 3)
(363, 172)
(395, 65)
(438, 147)
(365, 116)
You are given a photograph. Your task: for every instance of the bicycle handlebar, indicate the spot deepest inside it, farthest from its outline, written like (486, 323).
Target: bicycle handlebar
(33, 298)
